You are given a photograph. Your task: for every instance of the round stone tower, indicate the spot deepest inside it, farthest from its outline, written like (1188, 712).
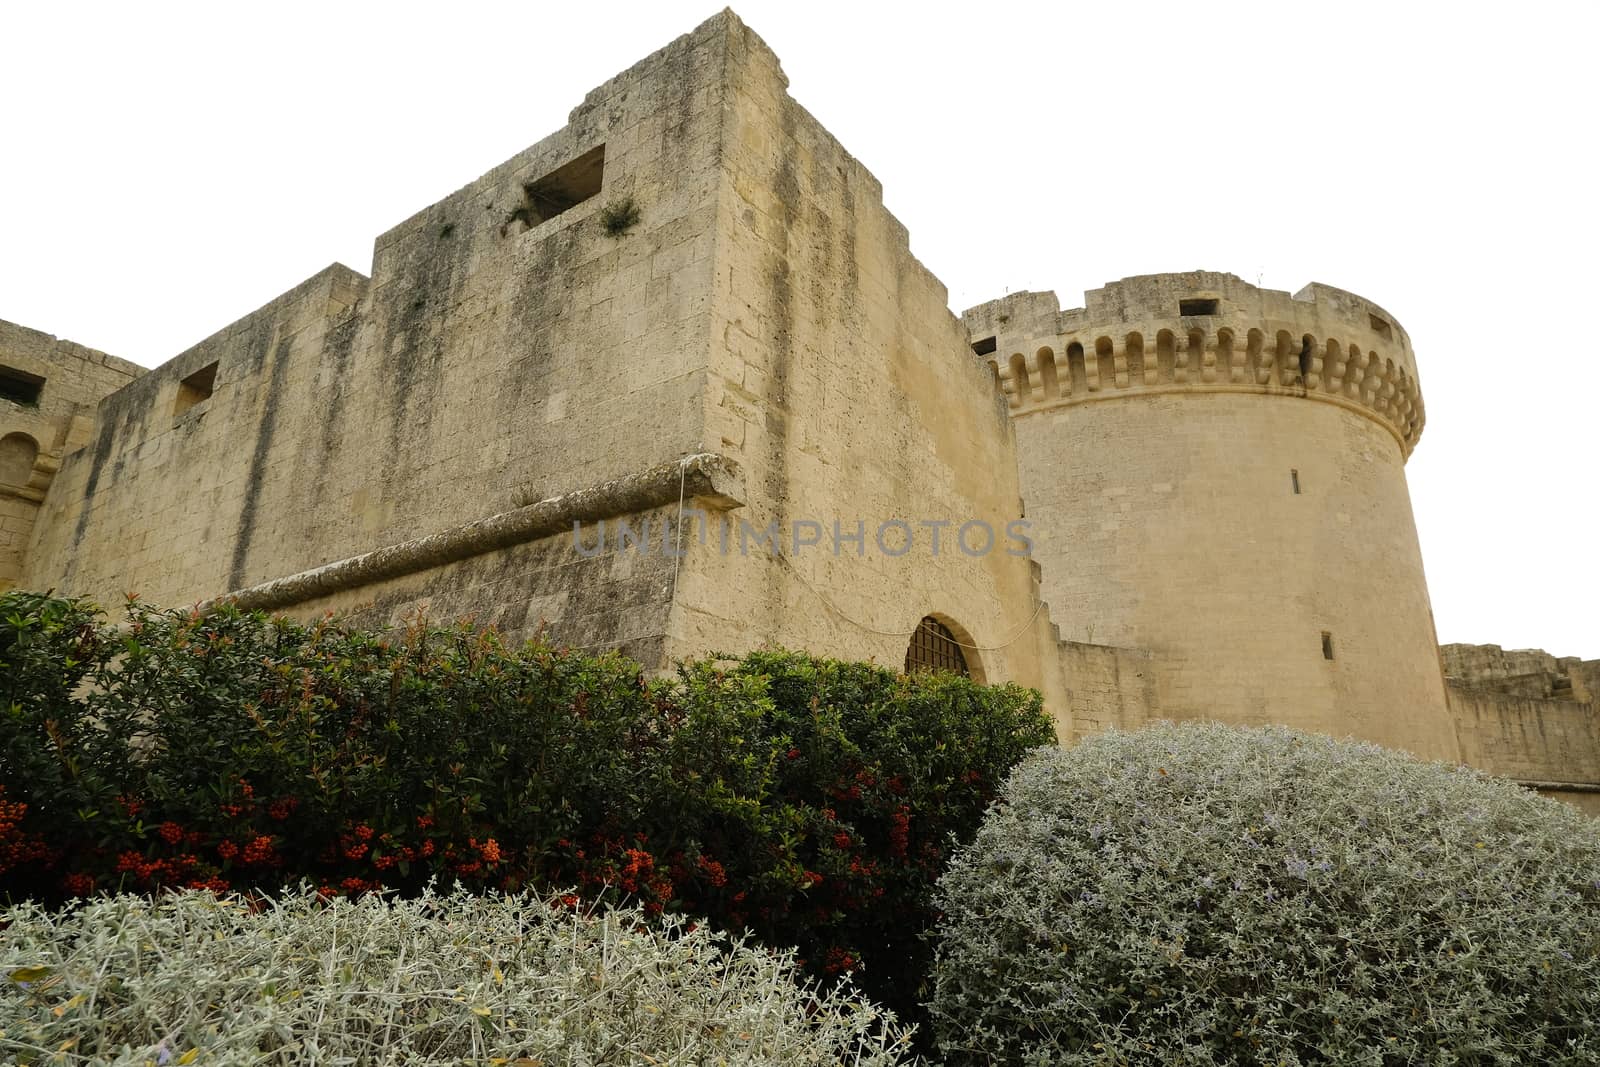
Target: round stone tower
(1216, 473)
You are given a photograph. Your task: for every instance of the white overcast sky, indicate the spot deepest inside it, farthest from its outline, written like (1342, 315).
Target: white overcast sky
(167, 168)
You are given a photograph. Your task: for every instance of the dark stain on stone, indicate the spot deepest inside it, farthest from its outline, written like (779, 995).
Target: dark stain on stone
(337, 346)
(262, 329)
(97, 461)
(533, 319)
(783, 320)
(419, 304)
(124, 415)
(679, 120)
(112, 426)
(852, 270)
(258, 465)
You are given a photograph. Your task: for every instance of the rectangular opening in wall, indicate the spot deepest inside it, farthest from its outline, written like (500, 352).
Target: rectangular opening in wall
(1197, 307)
(195, 388)
(20, 387)
(1294, 480)
(984, 347)
(564, 188)
(1381, 326)
(1327, 645)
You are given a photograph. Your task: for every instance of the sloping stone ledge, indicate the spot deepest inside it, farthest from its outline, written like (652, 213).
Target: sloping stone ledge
(706, 477)
(1560, 787)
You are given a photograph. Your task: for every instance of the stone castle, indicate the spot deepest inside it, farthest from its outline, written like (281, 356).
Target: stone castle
(671, 381)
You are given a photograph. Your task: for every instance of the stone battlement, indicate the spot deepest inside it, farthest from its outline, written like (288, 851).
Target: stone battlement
(1202, 331)
(1521, 672)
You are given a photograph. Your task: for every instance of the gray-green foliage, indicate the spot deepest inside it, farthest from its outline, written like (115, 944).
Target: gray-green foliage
(442, 979)
(1206, 894)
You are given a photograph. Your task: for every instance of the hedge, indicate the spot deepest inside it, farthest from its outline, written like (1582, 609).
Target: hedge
(810, 800)
(507, 980)
(1205, 894)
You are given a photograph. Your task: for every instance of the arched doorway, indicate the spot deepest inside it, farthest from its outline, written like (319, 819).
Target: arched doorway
(934, 648)
(17, 454)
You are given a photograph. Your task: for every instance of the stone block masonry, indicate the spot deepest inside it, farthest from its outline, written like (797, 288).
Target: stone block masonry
(1217, 474)
(48, 392)
(691, 299)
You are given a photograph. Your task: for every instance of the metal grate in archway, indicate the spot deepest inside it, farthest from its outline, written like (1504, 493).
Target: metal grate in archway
(934, 648)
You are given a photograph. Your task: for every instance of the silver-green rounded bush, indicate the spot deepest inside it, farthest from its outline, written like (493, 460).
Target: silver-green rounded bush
(1204, 894)
(459, 979)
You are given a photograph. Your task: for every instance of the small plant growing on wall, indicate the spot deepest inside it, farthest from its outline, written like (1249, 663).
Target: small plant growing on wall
(524, 215)
(619, 216)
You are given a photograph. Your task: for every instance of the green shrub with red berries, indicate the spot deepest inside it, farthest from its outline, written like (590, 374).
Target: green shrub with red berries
(813, 801)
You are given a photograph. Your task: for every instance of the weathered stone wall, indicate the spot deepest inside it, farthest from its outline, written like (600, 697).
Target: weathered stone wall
(375, 446)
(491, 360)
(1109, 688)
(1530, 716)
(1522, 672)
(1550, 745)
(844, 387)
(606, 596)
(1585, 676)
(1224, 488)
(36, 436)
(1212, 473)
(1529, 739)
(592, 568)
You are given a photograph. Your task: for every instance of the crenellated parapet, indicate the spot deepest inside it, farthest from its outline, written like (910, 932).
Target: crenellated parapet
(1201, 332)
